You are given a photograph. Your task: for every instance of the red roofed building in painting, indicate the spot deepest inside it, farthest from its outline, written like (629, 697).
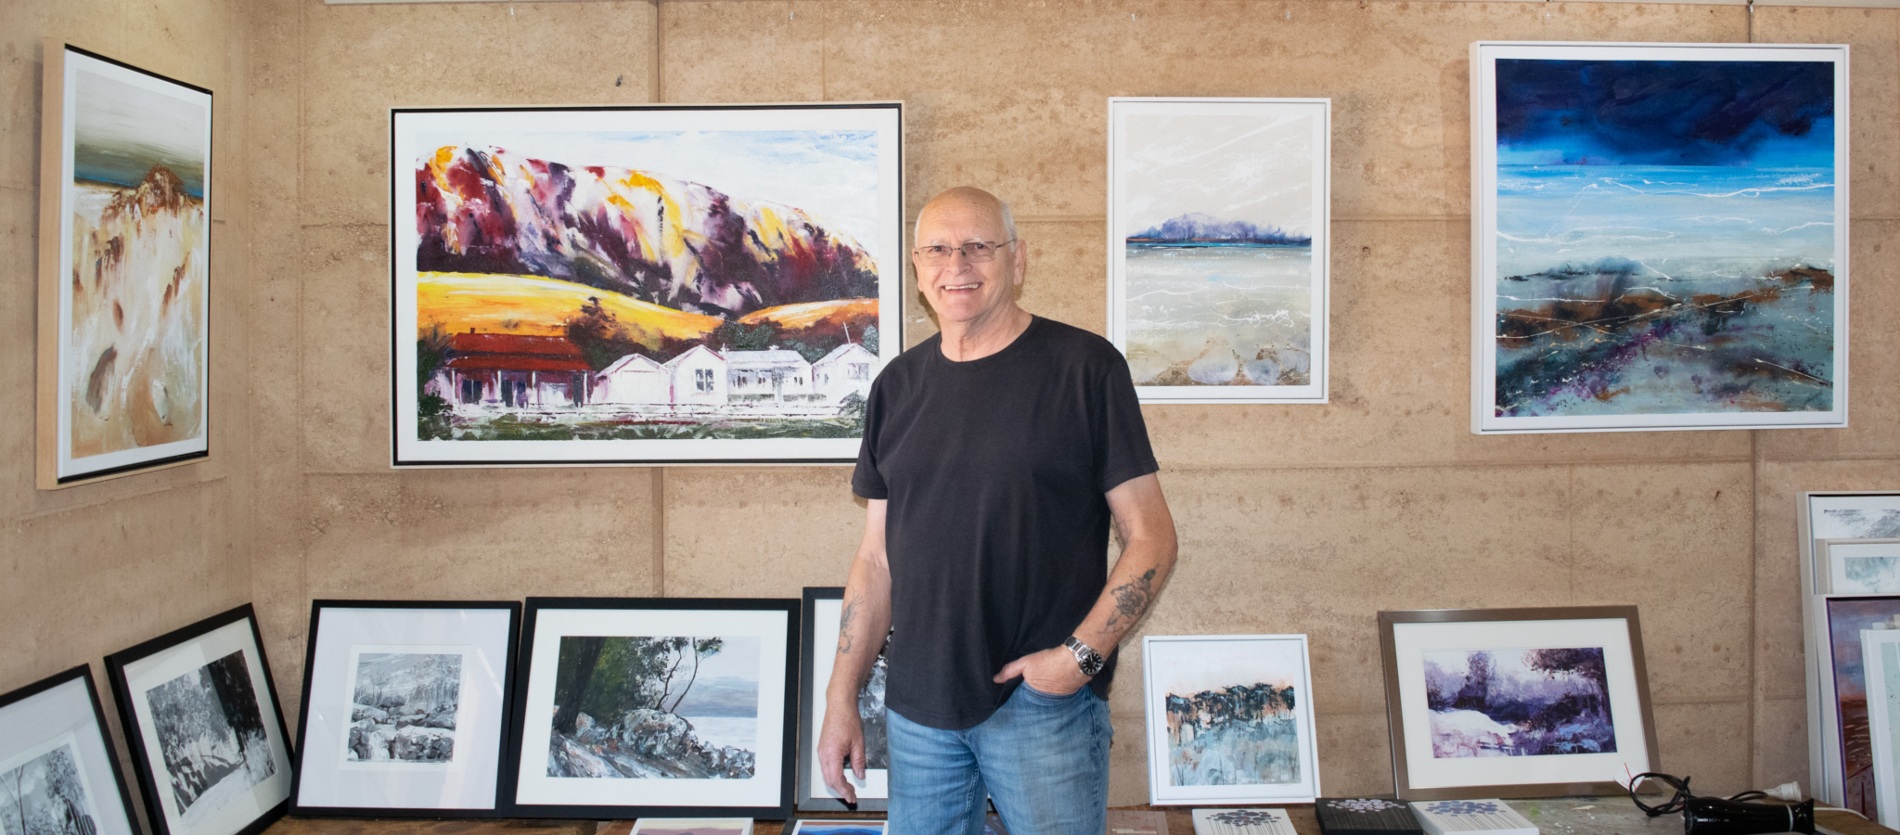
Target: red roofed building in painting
(514, 371)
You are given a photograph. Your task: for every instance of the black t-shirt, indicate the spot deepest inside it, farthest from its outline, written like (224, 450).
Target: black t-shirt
(997, 529)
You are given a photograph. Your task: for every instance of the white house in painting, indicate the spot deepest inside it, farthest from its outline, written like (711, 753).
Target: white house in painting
(697, 378)
(632, 380)
(845, 370)
(776, 373)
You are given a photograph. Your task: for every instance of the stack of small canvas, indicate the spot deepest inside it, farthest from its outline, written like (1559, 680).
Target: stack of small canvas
(1443, 817)
(1242, 822)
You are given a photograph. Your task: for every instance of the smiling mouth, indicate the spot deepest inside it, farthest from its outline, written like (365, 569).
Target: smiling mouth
(961, 286)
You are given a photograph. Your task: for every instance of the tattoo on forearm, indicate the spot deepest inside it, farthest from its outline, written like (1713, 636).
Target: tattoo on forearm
(844, 625)
(1132, 599)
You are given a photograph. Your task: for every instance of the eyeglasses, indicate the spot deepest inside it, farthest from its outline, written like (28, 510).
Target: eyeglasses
(975, 252)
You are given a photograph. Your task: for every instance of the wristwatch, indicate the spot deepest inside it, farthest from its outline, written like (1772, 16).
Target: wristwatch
(1085, 657)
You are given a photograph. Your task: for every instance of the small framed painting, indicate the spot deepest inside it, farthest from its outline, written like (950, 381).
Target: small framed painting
(823, 609)
(207, 739)
(1485, 703)
(692, 826)
(1844, 712)
(1826, 516)
(125, 266)
(1230, 719)
(1880, 654)
(1218, 216)
(405, 706)
(839, 827)
(629, 707)
(1862, 566)
(59, 774)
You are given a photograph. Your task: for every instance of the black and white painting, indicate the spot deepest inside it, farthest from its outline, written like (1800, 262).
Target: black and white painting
(46, 795)
(211, 734)
(656, 706)
(403, 707)
(824, 610)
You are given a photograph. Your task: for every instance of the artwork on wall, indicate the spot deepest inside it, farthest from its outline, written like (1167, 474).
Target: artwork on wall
(670, 706)
(125, 257)
(200, 716)
(642, 284)
(823, 608)
(59, 774)
(1672, 255)
(1823, 518)
(1230, 719)
(405, 706)
(1218, 245)
(1485, 703)
(1880, 654)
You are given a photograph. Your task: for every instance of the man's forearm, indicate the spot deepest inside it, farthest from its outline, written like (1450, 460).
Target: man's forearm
(1145, 529)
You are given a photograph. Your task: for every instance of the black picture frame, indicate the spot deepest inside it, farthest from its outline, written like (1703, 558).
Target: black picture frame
(671, 766)
(430, 741)
(819, 631)
(55, 719)
(211, 677)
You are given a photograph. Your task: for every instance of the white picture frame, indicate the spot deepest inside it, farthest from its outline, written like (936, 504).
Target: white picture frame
(1597, 223)
(1199, 254)
(1861, 566)
(1194, 686)
(1830, 515)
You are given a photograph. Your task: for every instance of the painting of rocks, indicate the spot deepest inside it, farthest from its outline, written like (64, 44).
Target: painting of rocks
(1241, 734)
(46, 796)
(404, 707)
(1518, 703)
(656, 707)
(211, 735)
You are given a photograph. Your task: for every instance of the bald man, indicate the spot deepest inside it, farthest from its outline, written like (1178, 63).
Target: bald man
(997, 455)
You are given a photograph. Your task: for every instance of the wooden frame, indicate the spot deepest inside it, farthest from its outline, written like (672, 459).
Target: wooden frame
(54, 730)
(200, 716)
(1194, 259)
(823, 607)
(1636, 272)
(405, 708)
(1589, 655)
(650, 752)
(677, 283)
(125, 250)
(1242, 701)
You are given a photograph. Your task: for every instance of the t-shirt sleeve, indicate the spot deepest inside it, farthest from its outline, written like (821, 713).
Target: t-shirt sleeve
(1126, 453)
(866, 481)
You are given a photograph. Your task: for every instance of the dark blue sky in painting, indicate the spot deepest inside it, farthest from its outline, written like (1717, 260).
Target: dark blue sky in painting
(1730, 113)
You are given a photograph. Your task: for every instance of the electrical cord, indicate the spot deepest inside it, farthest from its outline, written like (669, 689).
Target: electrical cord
(1716, 816)
(1682, 796)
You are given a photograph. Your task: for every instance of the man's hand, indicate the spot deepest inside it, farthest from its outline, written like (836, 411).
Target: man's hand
(1052, 671)
(842, 737)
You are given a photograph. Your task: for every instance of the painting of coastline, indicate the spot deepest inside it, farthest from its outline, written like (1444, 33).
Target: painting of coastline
(666, 284)
(134, 262)
(656, 707)
(1518, 703)
(1667, 242)
(1218, 240)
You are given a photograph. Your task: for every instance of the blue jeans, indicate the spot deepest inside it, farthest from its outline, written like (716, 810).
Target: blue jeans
(1043, 758)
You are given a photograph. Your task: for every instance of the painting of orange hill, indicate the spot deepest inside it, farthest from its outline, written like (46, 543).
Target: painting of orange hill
(131, 283)
(642, 284)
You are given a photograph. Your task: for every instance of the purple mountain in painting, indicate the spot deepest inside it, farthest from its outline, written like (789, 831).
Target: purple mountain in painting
(1198, 227)
(681, 244)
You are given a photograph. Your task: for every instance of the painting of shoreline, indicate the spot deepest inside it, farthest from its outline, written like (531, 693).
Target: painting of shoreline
(1666, 249)
(1218, 229)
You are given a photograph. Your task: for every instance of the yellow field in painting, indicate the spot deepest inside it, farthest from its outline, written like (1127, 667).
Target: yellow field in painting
(810, 314)
(530, 305)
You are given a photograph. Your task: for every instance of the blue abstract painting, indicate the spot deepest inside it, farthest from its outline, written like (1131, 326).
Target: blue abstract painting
(1666, 244)
(1523, 703)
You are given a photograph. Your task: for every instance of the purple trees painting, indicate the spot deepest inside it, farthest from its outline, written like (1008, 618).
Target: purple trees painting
(1518, 703)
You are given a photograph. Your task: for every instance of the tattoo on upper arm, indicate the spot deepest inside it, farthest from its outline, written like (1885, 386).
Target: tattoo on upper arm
(1121, 531)
(1132, 599)
(844, 625)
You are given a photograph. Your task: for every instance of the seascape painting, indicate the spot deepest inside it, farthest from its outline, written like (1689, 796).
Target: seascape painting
(1218, 218)
(211, 737)
(404, 708)
(656, 707)
(1847, 617)
(134, 264)
(643, 284)
(1518, 703)
(47, 795)
(1229, 719)
(1864, 566)
(1665, 242)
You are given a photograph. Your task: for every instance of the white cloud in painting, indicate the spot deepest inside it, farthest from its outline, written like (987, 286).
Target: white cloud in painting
(1247, 166)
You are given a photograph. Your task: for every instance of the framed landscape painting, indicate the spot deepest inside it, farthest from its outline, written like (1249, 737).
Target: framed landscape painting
(200, 715)
(823, 610)
(654, 706)
(1824, 517)
(405, 707)
(665, 283)
(1840, 620)
(1660, 236)
(125, 264)
(1516, 702)
(1218, 247)
(1230, 719)
(1861, 566)
(1880, 654)
(59, 774)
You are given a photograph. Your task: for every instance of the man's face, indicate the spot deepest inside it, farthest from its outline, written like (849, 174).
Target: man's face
(960, 291)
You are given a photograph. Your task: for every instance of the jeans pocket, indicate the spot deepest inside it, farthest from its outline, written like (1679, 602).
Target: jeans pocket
(1051, 697)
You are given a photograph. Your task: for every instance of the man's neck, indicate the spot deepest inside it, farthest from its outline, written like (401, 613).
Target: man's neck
(966, 341)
